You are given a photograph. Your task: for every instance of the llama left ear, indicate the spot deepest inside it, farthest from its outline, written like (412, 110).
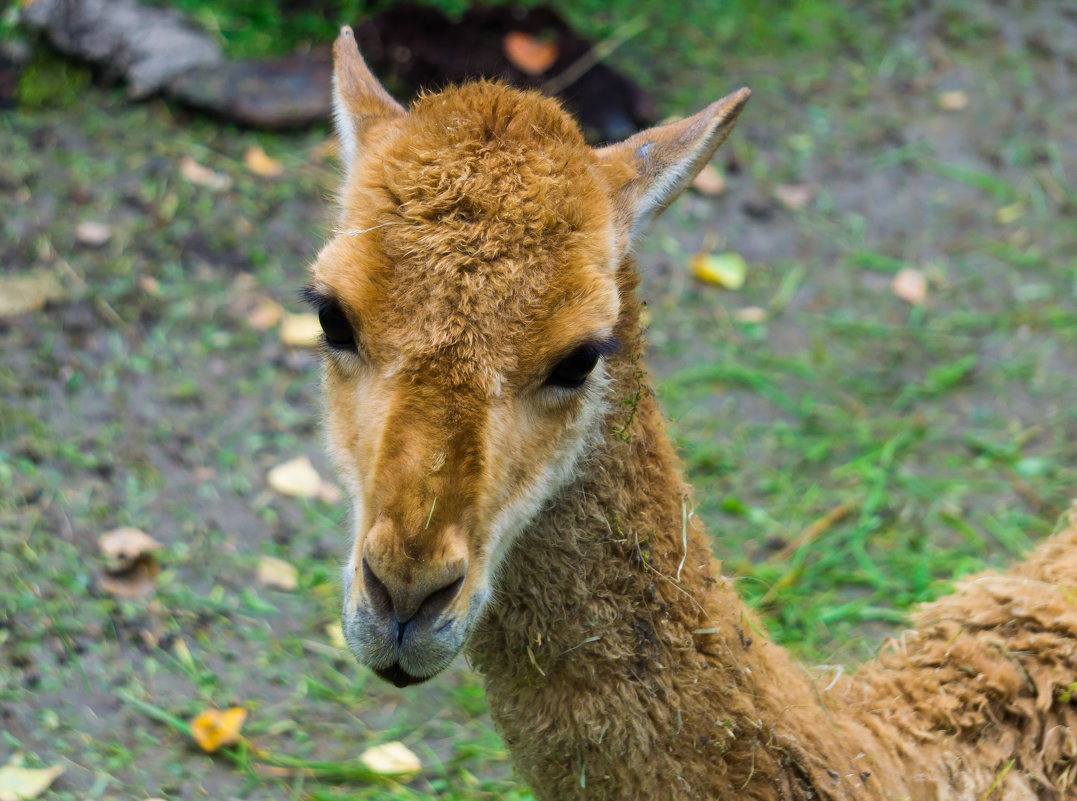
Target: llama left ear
(359, 99)
(650, 169)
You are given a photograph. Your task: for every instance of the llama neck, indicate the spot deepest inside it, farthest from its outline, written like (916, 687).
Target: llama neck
(614, 639)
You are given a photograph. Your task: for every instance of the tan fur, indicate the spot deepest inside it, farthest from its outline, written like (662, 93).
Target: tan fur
(481, 240)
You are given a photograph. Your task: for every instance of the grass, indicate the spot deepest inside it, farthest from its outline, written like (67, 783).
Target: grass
(851, 454)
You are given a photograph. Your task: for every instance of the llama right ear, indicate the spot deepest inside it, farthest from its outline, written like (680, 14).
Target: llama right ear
(650, 169)
(359, 99)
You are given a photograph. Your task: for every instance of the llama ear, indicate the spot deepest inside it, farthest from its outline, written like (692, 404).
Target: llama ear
(650, 169)
(359, 99)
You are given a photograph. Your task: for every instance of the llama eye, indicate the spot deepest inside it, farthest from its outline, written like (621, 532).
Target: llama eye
(573, 370)
(338, 331)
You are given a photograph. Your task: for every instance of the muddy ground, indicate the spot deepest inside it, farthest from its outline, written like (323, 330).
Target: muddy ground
(940, 138)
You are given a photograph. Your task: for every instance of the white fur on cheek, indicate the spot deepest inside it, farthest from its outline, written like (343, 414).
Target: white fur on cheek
(527, 501)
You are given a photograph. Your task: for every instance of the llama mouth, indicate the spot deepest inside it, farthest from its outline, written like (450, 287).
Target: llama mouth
(399, 677)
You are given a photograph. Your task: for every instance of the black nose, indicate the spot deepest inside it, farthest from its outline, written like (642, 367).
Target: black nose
(409, 604)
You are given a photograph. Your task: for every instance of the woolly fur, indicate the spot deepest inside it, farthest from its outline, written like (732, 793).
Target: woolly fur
(619, 663)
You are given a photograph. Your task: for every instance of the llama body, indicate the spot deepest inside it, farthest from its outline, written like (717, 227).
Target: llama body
(515, 496)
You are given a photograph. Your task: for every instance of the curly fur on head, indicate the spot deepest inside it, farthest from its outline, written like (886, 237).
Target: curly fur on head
(619, 663)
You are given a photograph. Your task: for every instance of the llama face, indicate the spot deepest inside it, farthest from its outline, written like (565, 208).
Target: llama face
(469, 300)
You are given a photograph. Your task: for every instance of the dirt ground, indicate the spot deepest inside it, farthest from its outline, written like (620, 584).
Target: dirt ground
(929, 438)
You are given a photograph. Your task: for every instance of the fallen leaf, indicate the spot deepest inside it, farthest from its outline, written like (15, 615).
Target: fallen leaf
(122, 547)
(301, 330)
(330, 493)
(18, 783)
(794, 196)
(750, 314)
(149, 285)
(529, 53)
(203, 176)
(27, 292)
(335, 631)
(296, 478)
(277, 573)
(266, 314)
(131, 569)
(709, 182)
(910, 285)
(391, 759)
(92, 234)
(260, 163)
(1011, 213)
(213, 729)
(954, 100)
(724, 269)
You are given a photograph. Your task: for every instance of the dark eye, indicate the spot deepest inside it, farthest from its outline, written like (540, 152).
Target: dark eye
(338, 331)
(573, 370)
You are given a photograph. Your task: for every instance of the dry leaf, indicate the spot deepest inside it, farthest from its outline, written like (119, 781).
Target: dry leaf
(27, 292)
(750, 314)
(1011, 213)
(149, 285)
(92, 234)
(952, 101)
(910, 285)
(277, 573)
(529, 53)
(213, 729)
(724, 269)
(794, 196)
(266, 314)
(203, 176)
(301, 330)
(296, 478)
(260, 163)
(330, 493)
(709, 182)
(18, 783)
(131, 569)
(336, 635)
(391, 759)
(122, 547)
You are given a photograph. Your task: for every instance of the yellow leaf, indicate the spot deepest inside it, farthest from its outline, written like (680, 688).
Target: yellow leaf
(28, 292)
(1011, 213)
(301, 330)
(335, 631)
(213, 729)
(391, 759)
(18, 783)
(277, 573)
(260, 163)
(724, 269)
(296, 478)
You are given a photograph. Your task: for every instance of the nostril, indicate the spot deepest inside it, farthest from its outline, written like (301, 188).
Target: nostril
(378, 593)
(436, 601)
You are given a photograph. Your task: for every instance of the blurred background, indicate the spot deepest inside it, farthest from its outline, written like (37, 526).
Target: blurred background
(861, 325)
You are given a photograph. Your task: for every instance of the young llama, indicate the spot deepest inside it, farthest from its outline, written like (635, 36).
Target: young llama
(515, 497)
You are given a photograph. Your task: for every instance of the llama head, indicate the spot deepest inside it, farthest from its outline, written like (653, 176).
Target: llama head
(469, 300)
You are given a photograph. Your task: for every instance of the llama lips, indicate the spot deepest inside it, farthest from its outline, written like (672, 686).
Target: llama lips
(399, 677)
